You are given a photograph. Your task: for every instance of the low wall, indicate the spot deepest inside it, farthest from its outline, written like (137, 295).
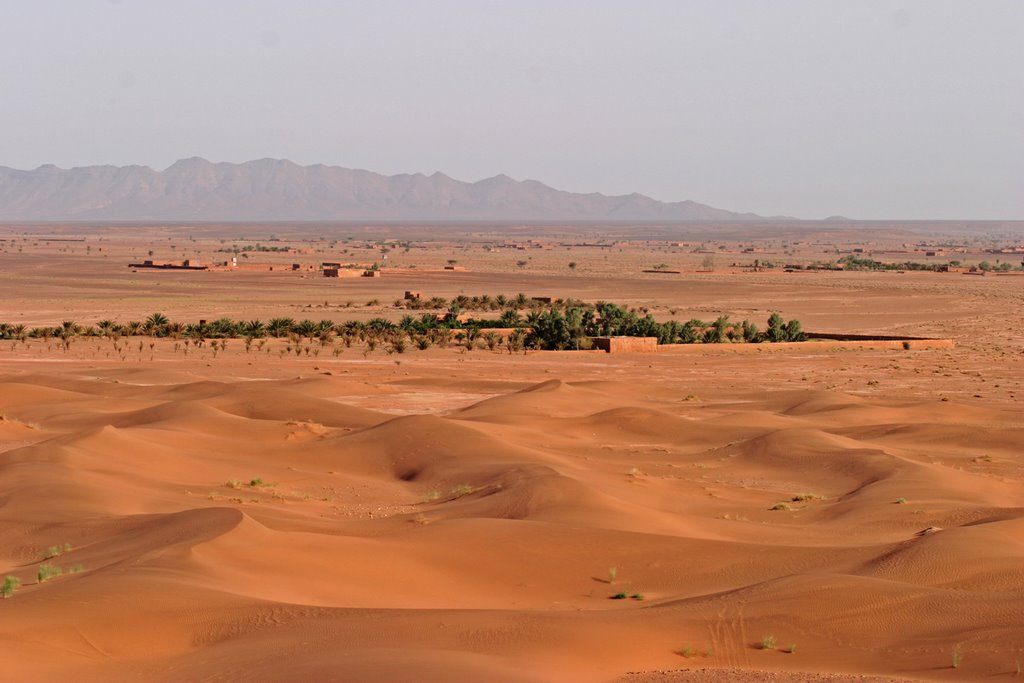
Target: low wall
(503, 332)
(819, 344)
(859, 337)
(626, 344)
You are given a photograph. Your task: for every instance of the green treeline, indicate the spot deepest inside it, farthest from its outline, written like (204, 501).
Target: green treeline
(558, 325)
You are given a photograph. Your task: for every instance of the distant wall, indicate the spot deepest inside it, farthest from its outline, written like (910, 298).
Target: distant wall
(626, 344)
(503, 332)
(842, 343)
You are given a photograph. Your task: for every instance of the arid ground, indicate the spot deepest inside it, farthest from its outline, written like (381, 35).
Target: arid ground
(716, 513)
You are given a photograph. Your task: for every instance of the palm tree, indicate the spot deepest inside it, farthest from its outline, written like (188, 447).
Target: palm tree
(254, 328)
(280, 327)
(509, 318)
(716, 333)
(794, 333)
(750, 332)
(380, 325)
(223, 327)
(307, 328)
(155, 324)
(776, 329)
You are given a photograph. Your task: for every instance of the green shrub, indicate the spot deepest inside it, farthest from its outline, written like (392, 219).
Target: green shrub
(47, 572)
(460, 490)
(10, 585)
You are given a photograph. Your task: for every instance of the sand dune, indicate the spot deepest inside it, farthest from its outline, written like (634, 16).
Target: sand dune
(277, 529)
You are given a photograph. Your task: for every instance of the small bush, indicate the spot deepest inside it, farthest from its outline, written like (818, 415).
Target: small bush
(957, 656)
(256, 482)
(47, 572)
(10, 585)
(768, 642)
(613, 572)
(619, 596)
(686, 652)
(460, 490)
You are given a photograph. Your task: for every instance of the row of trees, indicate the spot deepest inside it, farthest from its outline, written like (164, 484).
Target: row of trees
(574, 327)
(570, 325)
(484, 302)
(854, 262)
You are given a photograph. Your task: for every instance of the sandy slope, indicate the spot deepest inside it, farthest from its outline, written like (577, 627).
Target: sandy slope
(455, 519)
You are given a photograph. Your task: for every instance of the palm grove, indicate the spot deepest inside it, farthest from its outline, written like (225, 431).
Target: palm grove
(559, 325)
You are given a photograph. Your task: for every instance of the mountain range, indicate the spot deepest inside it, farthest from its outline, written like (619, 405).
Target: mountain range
(278, 190)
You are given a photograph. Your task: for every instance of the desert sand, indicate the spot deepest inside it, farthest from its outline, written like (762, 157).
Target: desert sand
(780, 514)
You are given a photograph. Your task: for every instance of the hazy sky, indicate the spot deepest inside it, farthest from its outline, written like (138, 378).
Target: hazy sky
(902, 109)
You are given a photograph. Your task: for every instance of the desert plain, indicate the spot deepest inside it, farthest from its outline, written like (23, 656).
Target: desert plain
(719, 512)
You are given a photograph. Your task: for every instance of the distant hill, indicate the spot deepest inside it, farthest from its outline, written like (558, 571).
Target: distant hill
(275, 190)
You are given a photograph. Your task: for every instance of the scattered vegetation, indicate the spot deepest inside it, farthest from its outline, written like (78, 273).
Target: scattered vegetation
(768, 642)
(56, 550)
(900, 501)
